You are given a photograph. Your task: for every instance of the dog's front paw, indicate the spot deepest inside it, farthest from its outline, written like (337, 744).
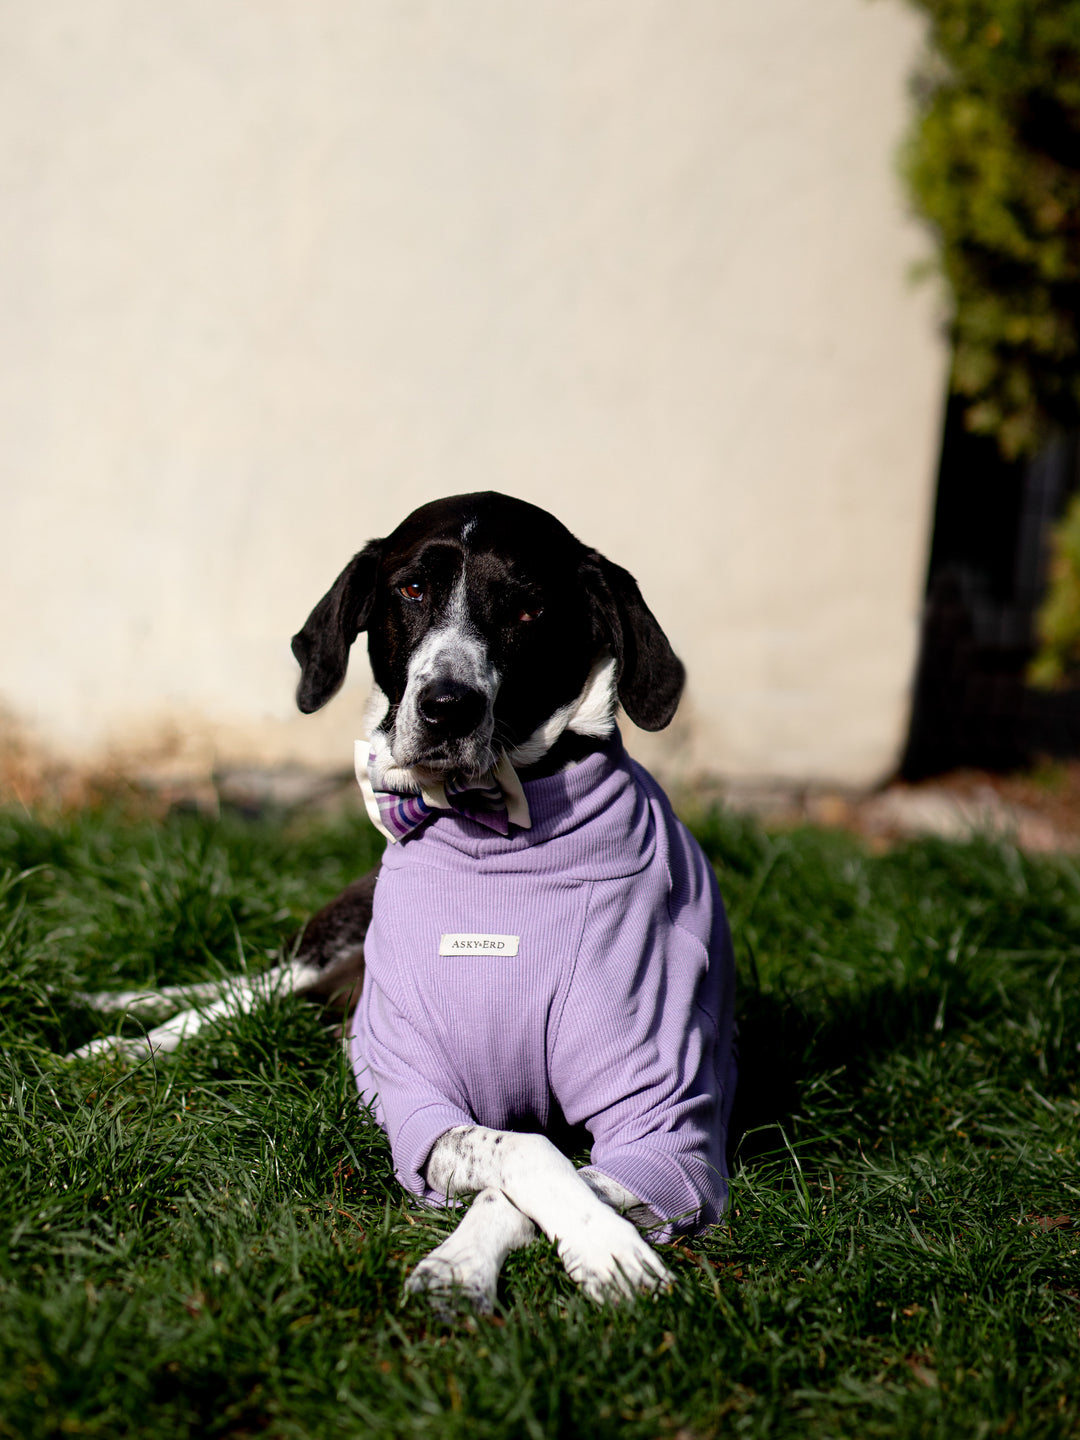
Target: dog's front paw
(454, 1278)
(607, 1257)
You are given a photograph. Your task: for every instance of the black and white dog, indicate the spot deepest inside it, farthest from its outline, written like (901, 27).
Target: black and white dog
(500, 646)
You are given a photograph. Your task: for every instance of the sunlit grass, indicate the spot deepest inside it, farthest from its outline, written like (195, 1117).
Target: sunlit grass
(214, 1244)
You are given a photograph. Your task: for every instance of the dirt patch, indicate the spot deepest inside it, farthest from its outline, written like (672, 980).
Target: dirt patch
(1039, 811)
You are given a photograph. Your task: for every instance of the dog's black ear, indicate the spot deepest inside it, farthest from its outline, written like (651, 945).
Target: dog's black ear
(322, 646)
(649, 674)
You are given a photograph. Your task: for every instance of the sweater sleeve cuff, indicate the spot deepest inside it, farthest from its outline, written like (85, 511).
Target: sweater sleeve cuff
(414, 1141)
(685, 1194)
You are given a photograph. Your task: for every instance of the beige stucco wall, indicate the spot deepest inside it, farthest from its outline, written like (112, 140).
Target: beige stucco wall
(273, 273)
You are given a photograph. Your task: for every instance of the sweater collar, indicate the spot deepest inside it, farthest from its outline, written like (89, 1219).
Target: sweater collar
(590, 822)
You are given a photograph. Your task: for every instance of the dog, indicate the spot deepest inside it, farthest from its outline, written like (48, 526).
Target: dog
(543, 944)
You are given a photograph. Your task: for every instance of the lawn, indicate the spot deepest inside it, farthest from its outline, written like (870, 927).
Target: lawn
(213, 1244)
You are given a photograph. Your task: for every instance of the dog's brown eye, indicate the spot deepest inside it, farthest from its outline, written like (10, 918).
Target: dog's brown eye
(412, 591)
(533, 614)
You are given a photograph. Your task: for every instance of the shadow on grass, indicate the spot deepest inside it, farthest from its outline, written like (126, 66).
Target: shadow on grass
(787, 1044)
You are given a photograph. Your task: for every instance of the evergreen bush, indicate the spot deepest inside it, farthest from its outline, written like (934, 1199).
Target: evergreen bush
(993, 163)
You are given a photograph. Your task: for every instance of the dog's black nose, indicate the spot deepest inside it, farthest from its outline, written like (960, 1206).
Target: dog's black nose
(450, 707)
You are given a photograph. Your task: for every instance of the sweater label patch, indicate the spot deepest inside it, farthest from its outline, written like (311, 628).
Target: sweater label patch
(459, 944)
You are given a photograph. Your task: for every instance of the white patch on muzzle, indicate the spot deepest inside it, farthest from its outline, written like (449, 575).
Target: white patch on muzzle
(453, 652)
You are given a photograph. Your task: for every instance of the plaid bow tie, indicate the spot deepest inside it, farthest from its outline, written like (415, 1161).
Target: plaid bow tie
(494, 799)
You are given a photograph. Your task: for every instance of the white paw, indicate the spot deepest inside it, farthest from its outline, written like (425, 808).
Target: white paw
(454, 1277)
(607, 1257)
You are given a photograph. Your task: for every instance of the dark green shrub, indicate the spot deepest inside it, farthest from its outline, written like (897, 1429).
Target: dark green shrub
(994, 164)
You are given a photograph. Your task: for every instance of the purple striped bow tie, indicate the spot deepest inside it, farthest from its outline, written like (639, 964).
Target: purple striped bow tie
(494, 799)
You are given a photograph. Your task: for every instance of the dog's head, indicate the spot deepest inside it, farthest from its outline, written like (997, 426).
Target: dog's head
(488, 623)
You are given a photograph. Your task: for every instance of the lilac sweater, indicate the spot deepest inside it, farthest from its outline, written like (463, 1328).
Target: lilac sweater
(618, 1000)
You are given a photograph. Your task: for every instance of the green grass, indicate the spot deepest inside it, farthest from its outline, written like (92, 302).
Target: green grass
(214, 1245)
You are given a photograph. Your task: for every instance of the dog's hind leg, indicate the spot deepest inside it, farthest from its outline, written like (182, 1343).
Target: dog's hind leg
(328, 967)
(466, 1266)
(159, 1001)
(234, 997)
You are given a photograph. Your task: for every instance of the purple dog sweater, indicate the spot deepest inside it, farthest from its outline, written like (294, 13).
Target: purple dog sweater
(586, 959)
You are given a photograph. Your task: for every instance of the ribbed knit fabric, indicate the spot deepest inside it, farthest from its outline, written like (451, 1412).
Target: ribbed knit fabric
(618, 1002)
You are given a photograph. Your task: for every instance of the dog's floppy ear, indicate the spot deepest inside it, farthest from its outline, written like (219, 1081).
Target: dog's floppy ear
(322, 646)
(649, 674)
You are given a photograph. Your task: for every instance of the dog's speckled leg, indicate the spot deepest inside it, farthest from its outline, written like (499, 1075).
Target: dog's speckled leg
(466, 1266)
(602, 1252)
